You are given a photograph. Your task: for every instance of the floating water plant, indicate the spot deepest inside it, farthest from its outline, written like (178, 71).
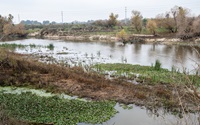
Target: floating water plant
(148, 74)
(54, 110)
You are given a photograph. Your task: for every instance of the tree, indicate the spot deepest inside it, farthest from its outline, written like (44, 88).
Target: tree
(136, 20)
(19, 29)
(122, 35)
(102, 23)
(166, 22)
(8, 29)
(10, 18)
(46, 22)
(151, 26)
(196, 27)
(176, 20)
(112, 20)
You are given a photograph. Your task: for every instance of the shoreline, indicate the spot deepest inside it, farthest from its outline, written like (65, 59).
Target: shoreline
(138, 38)
(92, 85)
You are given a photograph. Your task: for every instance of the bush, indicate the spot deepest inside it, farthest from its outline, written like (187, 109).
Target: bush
(157, 65)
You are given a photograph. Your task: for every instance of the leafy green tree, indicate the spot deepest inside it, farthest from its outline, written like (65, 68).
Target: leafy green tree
(122, 35)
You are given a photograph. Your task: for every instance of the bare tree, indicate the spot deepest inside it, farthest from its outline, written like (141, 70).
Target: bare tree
(196, 27)
(136, 20)
(176, 20)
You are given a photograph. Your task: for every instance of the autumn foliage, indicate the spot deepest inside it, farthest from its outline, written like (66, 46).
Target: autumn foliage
(7, 28)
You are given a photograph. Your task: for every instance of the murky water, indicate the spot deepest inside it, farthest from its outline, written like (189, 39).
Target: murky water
(76, 53)
(130, 115)
(142, 116)
(110, 52)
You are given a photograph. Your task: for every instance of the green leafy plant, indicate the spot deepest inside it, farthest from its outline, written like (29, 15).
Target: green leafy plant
(54, 110)
(157, 65)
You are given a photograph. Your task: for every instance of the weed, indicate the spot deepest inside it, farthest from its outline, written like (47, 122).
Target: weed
(157, 65)
(50, 46)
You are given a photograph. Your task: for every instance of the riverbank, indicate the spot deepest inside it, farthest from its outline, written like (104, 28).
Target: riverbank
(134, 38)
(18, 70)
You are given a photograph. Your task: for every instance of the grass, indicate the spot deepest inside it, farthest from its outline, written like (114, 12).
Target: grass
(15, 46)
(53, 110)
(149, 74)
(12, 46)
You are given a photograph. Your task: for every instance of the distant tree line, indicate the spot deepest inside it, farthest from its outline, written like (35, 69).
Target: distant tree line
(34, 22)
(178, 22)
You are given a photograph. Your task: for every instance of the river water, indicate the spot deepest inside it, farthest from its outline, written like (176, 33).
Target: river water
(180, 57)
(127, 115)
(76, 53)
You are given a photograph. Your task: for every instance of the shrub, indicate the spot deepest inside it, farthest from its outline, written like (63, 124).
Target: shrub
(157, 65)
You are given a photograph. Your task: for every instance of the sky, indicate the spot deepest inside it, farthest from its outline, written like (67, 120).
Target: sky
(84, 10)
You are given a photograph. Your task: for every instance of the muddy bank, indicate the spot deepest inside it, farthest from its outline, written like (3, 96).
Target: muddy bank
(18, 70)
(134, 38)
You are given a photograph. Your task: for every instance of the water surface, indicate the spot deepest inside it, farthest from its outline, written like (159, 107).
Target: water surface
(181, 57)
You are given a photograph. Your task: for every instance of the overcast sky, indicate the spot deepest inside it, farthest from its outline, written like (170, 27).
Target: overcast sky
(83, 10)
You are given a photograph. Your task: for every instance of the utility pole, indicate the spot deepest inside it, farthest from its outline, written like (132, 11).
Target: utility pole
(19, 18)
(62, 16)
(125, 20)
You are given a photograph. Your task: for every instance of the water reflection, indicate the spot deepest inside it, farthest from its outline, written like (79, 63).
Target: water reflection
(110, 52)
(143, 116)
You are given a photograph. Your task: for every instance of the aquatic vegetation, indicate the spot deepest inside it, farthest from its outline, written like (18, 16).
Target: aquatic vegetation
(148, 74)
(37, 109)
(15, 46)
(12, 46)
(50, 46)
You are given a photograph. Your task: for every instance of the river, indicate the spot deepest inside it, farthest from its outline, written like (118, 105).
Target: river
(75, 53)
(180, 57)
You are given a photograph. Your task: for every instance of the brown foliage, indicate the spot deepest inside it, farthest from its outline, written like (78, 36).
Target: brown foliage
(196, 27)
(8, 28)
(151, 26)
(136, 20)
(112, 20)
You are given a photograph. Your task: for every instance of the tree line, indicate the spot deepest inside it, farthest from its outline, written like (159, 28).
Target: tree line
(177, 21)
